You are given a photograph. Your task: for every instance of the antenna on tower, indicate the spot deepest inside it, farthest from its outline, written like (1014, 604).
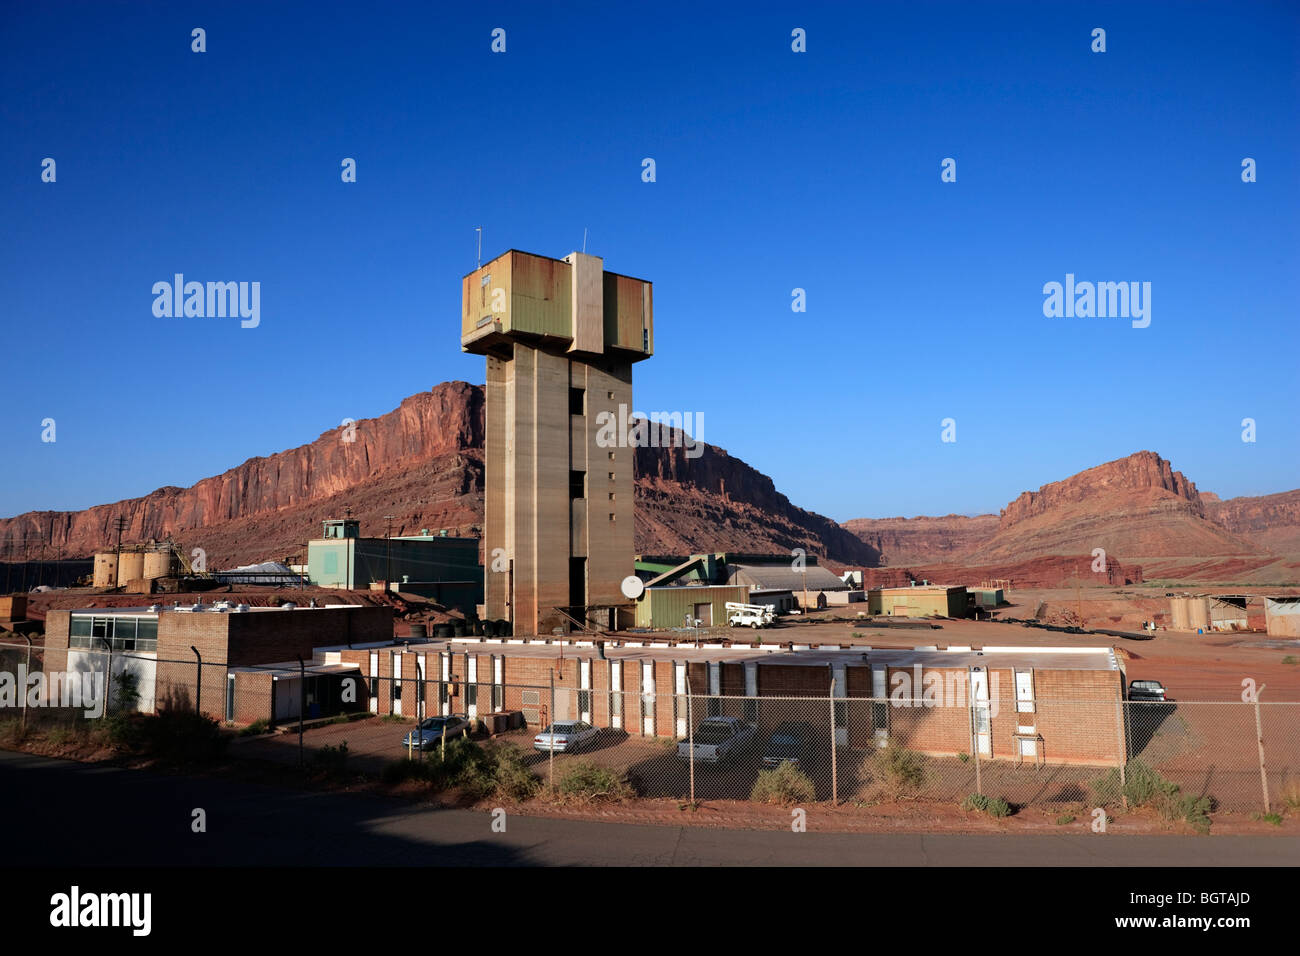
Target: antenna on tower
(479, 263)
(584, 240)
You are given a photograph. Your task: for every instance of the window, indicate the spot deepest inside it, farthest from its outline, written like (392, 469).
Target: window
(611, 516)
(611, 456)
(577, 401)
(611, 496)
(611, 476)
(610, 396)
(577, 484)
(116, 633)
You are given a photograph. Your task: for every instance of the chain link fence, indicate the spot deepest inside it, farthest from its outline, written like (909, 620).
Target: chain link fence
(1239, 756)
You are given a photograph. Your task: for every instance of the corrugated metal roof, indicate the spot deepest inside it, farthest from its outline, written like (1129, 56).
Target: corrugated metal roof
(781, 578)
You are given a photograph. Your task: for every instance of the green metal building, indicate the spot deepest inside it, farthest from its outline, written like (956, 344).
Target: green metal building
(437, 566)
(672, 606)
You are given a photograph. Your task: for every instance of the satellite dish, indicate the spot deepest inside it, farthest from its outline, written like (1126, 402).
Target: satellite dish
(632, 587)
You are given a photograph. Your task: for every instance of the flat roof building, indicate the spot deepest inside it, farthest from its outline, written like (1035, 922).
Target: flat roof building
(442, 568)
(155, 644)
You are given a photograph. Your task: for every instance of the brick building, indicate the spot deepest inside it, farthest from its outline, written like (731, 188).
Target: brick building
(1058, 705)
(236, 644)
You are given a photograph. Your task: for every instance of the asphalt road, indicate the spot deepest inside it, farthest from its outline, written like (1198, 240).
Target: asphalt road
(86, 815)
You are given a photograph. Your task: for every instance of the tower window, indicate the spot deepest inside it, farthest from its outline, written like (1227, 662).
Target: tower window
(577, 484)
(577, 401)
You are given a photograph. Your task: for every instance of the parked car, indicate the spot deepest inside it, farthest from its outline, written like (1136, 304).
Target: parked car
(789, 743)
(429, 733)
(565, 736)
(718, 739)
(1147, 691)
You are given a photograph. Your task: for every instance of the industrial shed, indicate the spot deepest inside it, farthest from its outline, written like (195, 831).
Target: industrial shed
(922, 600)
(671, 606)
(1282, 615)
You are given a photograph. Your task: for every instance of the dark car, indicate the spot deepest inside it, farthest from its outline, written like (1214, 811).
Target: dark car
(789, 743)
(1147, 691)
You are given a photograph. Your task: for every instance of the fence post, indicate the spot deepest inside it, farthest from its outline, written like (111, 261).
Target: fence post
(690, 732)
(198, 681)
(23, 690)
(1259, 740)
(550, 750)
(420, 692)
(1121, 731)
(834, 767)
(974, 735)
(302, 703)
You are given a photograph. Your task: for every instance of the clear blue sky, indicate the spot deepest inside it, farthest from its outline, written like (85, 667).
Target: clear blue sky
(775, 170)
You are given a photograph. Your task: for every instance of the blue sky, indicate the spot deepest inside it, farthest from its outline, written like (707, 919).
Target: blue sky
(775, 170)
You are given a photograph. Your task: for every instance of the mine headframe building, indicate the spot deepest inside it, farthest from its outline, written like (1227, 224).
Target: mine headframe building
(560, 337)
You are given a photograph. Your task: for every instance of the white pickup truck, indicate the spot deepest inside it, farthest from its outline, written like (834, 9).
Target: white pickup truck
(750, 615)
(717, 739)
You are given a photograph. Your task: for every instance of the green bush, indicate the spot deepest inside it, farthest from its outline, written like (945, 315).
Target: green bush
(331, 761)
(171, 736)
(584, 782)
(784, 786)
(993, 806)
(1065, 819)
(513, 779)
(476, 771)
(12, 733)
(259, 726)
(901, 769)
(1144, 787)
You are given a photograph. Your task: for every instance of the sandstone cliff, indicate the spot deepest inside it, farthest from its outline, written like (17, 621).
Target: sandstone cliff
(902, 541)
(423, 463)
(1136, 506)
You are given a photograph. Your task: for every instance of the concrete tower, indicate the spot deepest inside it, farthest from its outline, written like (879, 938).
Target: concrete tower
(560, 337)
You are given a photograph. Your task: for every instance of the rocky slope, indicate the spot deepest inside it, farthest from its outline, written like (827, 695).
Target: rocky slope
(1271, 521)
(902, 541)
(1136, 506)
(423, 463)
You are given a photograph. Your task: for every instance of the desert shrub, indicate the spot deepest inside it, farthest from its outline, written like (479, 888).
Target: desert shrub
(330, 761)
(476, 771)
(12, 733)
(259, 726)
(1273, 818)
(783, 786)
(1144, 787)
(171, 737)
(899, 768)
(513, 779)
(1291, 794)
(993, 806)
(126, 691)
(584, 782)
(399, 771)
(1065, 819)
